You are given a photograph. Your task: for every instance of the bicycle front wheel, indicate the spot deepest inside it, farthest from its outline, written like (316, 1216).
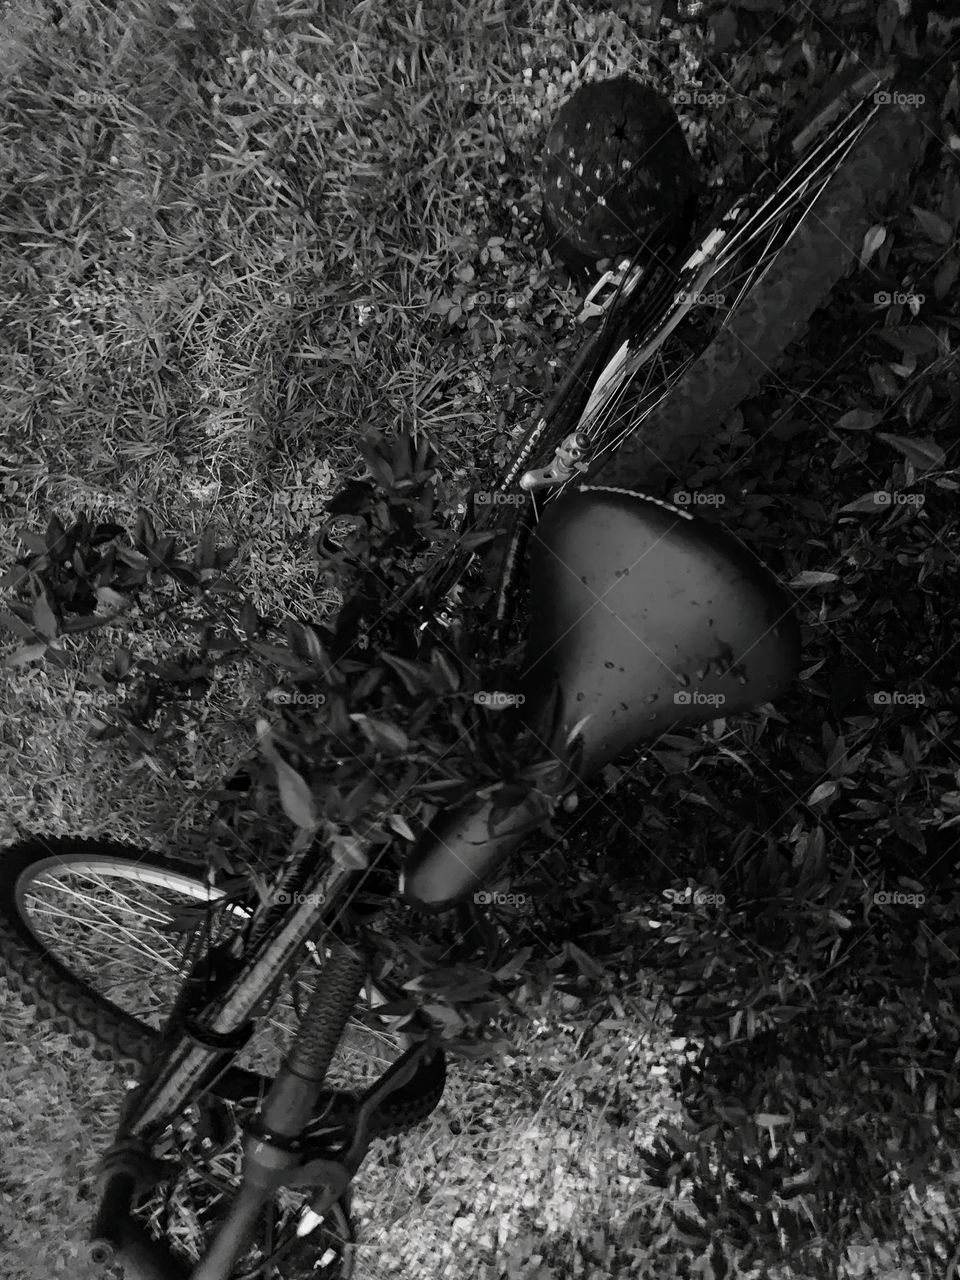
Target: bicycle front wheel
(97, 935)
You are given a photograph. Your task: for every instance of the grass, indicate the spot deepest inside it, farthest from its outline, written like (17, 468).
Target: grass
(505, 1169)
(208, 292)
(238, 235)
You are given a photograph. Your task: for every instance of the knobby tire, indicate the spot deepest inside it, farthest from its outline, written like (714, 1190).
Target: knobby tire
(777, 309)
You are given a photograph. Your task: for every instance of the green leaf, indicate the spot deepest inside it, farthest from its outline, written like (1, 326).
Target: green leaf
(44, 618)
(104, 531)
(514, 966)
(15, 577)
(785, 1013)
(314, 647)
(723, 30)
(295, 795)
(918, 340)
(909, 830)
(278, 654)
(463, 982)
(380, 734)
(396, 1009)
(858, 420)
(34, 541)
(925, 455)
(813, 578)
(164, 550)
(56, 539)
(823, 792)
(16, 624)
(400, 825)
(867, 503)
(132, 558)
(934, 227)
(29, 653)
(348, 852)
(478, 538)
(144, 534)
(121, 663)
(872, 241)
(182, 573)
(884, 383)
(415, 677)
(359, 800)
(378, 466)
(448, 1018)
(586, 964)
(448, 673)
(946, 277)
(888, 16)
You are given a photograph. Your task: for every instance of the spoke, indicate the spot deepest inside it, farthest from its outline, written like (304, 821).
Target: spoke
(111, 937)
(111, 931)
(69, 912)
(602, 415)
(126, 930)
(140, 912)
(99, 886)
(796, 184)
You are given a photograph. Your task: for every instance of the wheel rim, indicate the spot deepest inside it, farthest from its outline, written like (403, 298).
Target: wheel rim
(126, 930)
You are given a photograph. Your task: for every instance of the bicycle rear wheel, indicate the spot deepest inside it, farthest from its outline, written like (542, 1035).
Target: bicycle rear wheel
(774, 311)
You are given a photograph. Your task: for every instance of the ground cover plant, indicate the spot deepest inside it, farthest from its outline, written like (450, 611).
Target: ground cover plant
(238, 240)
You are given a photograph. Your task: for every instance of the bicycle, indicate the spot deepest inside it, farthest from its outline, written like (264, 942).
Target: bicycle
(181, 1027)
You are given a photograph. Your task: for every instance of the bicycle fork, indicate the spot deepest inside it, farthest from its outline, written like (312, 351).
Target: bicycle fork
(271, 1155)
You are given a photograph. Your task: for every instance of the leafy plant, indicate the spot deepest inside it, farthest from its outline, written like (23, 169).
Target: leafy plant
(368, 723)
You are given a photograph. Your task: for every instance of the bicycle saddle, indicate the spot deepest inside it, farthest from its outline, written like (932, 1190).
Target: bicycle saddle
(643, 618)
